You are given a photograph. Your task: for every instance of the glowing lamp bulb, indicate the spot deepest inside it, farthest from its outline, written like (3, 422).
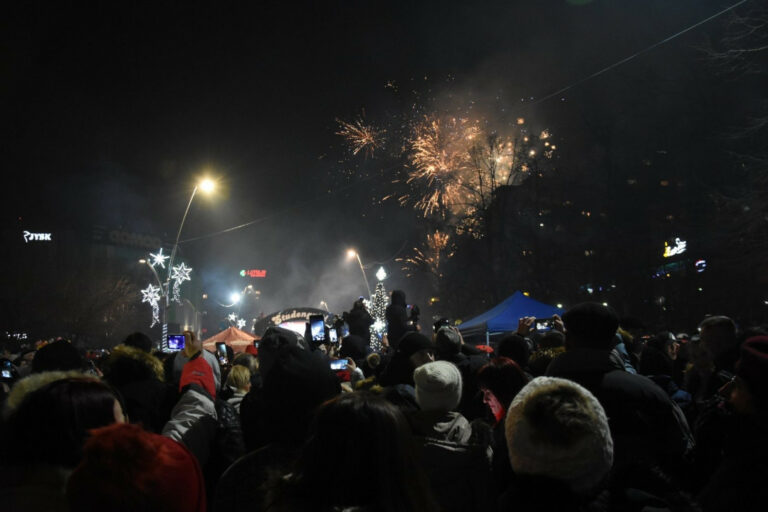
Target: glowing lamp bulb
(351, 254)
(381, 274)
(234, 298)
(207, 185)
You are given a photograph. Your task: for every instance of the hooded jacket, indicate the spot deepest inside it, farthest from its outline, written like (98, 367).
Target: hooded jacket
(645, 424)
(396, 316)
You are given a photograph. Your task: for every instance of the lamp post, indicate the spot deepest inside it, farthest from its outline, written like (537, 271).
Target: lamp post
(182, 273)
(351, 253)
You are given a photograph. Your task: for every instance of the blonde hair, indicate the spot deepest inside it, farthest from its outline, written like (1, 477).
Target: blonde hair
(239, 377)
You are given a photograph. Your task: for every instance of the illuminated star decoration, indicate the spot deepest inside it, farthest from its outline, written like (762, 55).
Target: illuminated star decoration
(159, 258)
(179, 274)
(232, 317)
(240, 323)
(151, 295)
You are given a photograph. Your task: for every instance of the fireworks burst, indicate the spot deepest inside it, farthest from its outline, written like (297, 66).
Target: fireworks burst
(436, 249)
(361, 137)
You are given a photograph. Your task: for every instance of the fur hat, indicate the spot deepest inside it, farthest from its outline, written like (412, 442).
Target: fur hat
(438, 386)
(557, 429)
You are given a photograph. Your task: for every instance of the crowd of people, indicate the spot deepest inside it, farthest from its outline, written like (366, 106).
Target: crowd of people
(594, 414)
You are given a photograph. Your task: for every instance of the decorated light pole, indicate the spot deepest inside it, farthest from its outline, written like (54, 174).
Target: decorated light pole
(170, 289)
(379, 303)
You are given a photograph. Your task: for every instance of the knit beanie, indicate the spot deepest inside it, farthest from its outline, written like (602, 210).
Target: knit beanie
(438, 386)
(126, 468)
(198, 371)
(557, 429)
(60, 355)
(752, 367)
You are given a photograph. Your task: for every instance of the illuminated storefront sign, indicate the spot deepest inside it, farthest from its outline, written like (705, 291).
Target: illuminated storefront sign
(36, 237)
(253, 273)
(679, 248)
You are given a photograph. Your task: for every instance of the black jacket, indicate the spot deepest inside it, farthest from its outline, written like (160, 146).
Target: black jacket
(397, 318)
(646, 425)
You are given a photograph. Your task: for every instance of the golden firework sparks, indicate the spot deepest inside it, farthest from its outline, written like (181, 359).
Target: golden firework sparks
(361, 137)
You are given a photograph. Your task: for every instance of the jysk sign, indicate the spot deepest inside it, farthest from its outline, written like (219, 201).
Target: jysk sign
(36, 237)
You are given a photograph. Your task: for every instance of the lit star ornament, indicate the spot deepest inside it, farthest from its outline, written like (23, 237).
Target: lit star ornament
(179, 274)
(232, 317)
(240, 323)
(151, 295)
(159, 258)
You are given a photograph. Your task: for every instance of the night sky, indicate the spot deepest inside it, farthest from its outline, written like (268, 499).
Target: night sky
(111, 111)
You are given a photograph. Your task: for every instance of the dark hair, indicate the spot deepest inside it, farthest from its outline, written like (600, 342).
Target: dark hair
(515, 347)
(503, 377)
(59, 355)
(591, 325)
(361, 430)
(52, 423)
(139, 340)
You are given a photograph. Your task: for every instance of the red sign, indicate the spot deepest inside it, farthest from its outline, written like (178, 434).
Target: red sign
(253, 273)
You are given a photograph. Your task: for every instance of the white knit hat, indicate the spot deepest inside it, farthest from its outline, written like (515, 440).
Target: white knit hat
(438, 386)
(558, 429)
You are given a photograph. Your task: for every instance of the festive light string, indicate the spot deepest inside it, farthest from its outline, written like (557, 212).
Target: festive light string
(627, 59)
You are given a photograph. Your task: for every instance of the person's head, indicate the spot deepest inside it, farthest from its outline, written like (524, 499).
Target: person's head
(198, 372)
(57, 356)
(50, 414)
(398, 298)
(557, 429)
(747, 393)
(192, 345)
(514, 347)
(717, 335)
(447, 342)
(355, 347)
(438, 386)
(552, 339)
(590, 325)
(248, 360)
(361, 430)
(417, 349)
(503, 377)
(139, 340)
(359, 304)
(272, 344)
(239, 378)
(125, 468)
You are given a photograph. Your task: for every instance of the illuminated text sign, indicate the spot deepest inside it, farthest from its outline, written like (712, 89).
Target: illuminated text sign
(36, 237)
(253, 273)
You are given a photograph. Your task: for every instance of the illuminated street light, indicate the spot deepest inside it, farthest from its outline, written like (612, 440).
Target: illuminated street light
(235, 297)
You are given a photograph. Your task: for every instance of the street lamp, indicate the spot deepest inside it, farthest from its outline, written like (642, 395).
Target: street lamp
(179, 274)
(351, 253)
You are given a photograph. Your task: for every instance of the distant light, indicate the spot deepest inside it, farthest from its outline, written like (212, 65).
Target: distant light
(701, 266)
(701, 289)
(142, 261)
(381, 274)
(234, 298)
(520, 120)
(560, 306)
(541, 225)
(205, 296)
(351, 254)
(207, 185)
(526, 294)
(590, 290)
(605, 304)
(679, 248)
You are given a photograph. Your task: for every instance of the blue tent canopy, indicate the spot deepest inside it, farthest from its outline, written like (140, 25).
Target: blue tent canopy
(505, 316)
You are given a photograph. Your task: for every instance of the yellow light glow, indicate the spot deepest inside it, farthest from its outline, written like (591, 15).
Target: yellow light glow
(207, 185)
(351, 254)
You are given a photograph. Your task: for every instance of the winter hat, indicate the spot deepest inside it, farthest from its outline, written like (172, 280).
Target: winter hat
(355, 347)
(412, 343)
(447, 341)
(557, 429)
(198, 371)
(57, 356)
(126, 468)
(438, 386)
(752, 366)
(139, 340)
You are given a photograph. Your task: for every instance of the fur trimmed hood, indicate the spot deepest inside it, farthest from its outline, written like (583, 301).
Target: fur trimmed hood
(28, 385)
(130, 364)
